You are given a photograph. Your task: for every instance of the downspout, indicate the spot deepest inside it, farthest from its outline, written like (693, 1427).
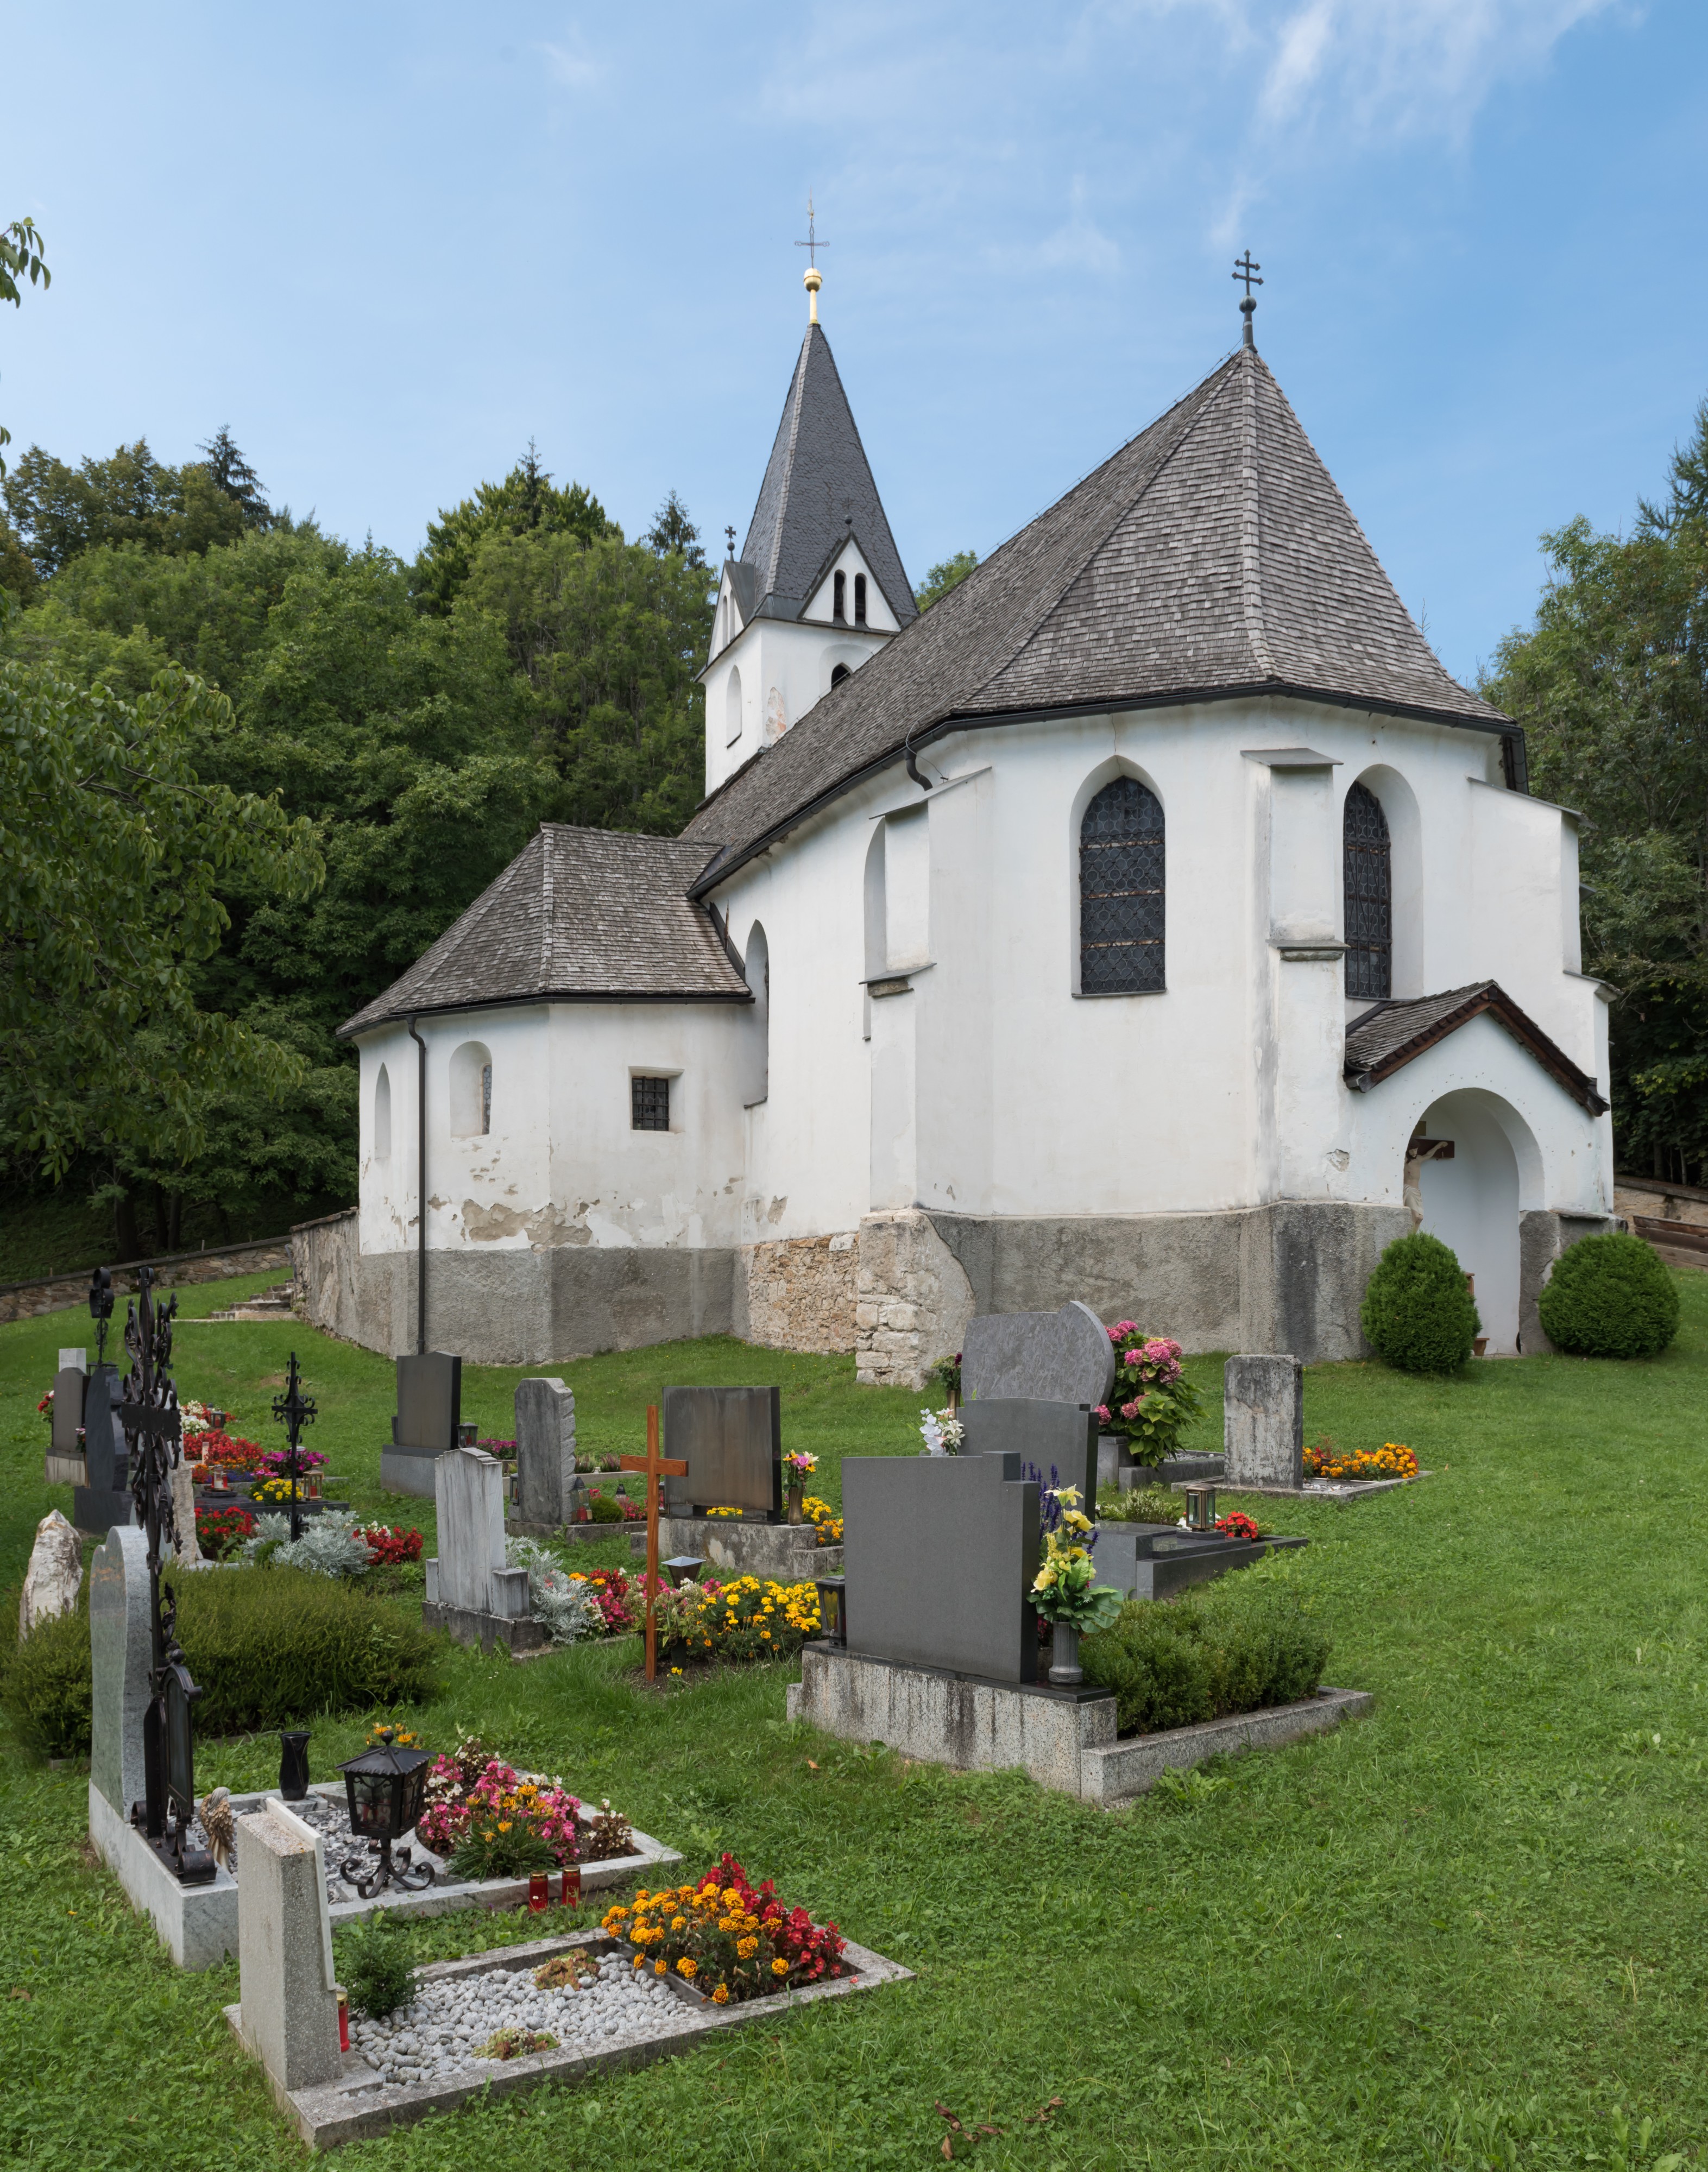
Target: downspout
(420, 1191)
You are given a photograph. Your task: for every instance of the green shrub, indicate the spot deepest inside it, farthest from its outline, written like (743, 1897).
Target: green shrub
(1418, 1313)
(1610, 1296)
(1238, 1645)
(266, 1646)
(1139, 1504)
(374, 1966)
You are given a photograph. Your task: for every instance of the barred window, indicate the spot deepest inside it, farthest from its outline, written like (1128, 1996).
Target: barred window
(1122, 903)
(1369, 885)
(650, 1105)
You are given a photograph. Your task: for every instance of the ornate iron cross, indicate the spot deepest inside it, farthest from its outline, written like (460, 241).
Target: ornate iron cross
(293, 1410)
(812, 245)
(1245, 269)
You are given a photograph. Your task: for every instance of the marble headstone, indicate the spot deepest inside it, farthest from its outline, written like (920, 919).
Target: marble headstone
(1263, 1421)
(119, 1653)
(470, 1572)
(1063, 1356)
(1062, 1436)
(731, 1439)
(55, 1574)
(288, 1994)
(545, 1451)
(938, 1553)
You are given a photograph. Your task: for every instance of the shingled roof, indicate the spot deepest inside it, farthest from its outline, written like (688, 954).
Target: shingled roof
(1211, 557)
(579, 915)
(817, 484)
(1385, 1040)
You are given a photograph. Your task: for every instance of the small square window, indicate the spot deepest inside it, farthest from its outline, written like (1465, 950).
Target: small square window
(649, 1103)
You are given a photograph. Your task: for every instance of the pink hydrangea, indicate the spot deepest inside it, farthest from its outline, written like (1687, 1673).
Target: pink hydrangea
(1123, 1329)
(1130, 1410)
(1136, 1356)
(1161, 1350)
(1101, 1414)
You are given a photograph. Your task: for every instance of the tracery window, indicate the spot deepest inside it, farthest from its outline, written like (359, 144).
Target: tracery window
(1121, 891)
(1369, 887)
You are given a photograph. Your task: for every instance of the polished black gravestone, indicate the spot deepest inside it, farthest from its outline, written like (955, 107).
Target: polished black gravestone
(104, 1497)
(1062, 1436)
(731, 1439)
(938, 1554)
(429, 1404)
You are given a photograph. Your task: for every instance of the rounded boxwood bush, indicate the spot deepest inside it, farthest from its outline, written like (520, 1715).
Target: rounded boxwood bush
(1609, 1297)
(1417, 1312)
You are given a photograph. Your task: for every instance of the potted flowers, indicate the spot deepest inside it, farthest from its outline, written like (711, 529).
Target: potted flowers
(941, 1431)
(797, 1467)
(1065, 1590)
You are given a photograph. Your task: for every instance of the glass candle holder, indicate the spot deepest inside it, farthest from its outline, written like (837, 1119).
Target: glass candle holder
(539, 1893)
(569, 1892)
(343, 2022)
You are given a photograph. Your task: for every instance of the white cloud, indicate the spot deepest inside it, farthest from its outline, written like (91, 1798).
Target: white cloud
(572, 66)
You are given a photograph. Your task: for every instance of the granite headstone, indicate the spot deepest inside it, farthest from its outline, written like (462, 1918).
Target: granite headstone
(104, 1499)
(120, 1652)
(429, 1407)
(545, 1451)
(1062, 1436)
(731, 1439)
(288, 1993)
(1264, 1421)
(938, 1553)
(70, 1385)
(1062, 1356)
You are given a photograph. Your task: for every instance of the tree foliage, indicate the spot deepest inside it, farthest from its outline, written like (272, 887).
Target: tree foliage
(526, 503)
(60, 511)
(948, 573)
(1611, 685)
(1417, 1312)
(1610, 1296)
(23, 255)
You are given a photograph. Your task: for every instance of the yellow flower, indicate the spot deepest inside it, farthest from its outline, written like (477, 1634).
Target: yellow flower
(688, 1968)
(724, 1924)
(779, 1967)
(747, 1947)
(661, 1968)
(679, 1922)
(720, 1996)
(504, 1824)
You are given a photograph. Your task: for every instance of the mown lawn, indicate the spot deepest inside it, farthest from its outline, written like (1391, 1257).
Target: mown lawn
(1470, 1931)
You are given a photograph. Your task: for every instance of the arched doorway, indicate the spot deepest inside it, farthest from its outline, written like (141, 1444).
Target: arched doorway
(1471, 1198)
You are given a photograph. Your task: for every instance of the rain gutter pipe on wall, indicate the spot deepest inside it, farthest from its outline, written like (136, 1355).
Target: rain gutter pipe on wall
(420, 1191)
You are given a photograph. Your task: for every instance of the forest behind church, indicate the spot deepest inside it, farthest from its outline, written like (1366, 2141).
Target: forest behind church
(253, 771)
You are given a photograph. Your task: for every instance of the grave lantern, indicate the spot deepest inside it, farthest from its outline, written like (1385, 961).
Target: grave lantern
(682, 1568)
(384, 1788)
(832, 1608)
(1201, 1507)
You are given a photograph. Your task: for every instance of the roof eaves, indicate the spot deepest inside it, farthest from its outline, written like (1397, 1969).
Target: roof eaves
(358, 1024)
(1488, 996)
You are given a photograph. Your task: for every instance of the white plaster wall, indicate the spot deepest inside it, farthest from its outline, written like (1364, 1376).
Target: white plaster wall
(821, 604)
(785, 667)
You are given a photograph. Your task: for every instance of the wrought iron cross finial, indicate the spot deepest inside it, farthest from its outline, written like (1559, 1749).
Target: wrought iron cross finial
(731, 533)
(812, 245)
(1245, 268)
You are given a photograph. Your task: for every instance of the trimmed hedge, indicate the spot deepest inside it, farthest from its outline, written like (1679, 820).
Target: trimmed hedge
(266, 1647)
(1238, 1645)
(1417, 1313)
(1609, 1297)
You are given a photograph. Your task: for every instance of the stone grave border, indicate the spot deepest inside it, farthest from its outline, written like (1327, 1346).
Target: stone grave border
(351, 2111)
(1320, 1489)
(1113, 1774)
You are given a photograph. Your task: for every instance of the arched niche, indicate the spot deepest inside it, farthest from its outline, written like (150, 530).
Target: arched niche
(1141, 901)
(1472, 1198)
(1399, 809)
(471, 1090)
(382, 1116)
(732, 705)
(756, 963)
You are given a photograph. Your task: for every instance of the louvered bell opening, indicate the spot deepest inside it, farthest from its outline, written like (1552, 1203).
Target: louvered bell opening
(1121, 892)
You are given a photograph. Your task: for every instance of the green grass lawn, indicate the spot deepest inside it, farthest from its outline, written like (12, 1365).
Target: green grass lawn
(1469, 1931)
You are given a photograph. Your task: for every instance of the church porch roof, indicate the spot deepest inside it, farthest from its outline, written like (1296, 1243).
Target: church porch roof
(1384, 1039)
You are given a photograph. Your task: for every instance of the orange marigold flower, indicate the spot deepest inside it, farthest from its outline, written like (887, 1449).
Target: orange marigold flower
(779, 1967)
(720, 1996)
(687, 1967)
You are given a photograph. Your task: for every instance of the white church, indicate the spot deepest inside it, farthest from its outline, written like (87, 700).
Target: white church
(1153, 921)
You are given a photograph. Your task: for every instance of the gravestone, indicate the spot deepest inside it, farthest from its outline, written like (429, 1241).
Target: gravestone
(470, 1590)
(1063, 1356)
(55, 1574)
(104, 1497)
(287, 1994)
(120, 1654)
(1062, 1436)
(938, 1553)
(731, 1439)
(545, 1453)
(70, 1384)
(186, 1547)
(429, 1408)
(1264, 1421)
(1154, 1560)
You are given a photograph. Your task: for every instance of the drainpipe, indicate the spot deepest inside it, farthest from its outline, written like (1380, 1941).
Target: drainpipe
(421, 1191)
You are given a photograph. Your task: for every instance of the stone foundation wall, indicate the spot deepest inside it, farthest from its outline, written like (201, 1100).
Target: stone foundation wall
(915, 1299)
(63, 1293)
(323, 1264)
(798, 1293)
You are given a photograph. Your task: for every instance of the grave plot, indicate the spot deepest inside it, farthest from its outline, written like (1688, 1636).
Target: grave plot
(1264, 1424)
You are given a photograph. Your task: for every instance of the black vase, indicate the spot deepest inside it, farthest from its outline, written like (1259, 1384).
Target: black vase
(294, 1768)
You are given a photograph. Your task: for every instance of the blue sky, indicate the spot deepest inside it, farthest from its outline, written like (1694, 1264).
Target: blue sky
(389, 243)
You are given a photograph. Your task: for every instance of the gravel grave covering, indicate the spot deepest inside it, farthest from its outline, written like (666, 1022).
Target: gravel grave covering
(442, 2028)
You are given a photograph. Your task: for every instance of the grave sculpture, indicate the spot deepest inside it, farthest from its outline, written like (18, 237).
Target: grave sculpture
(429, 1408)
(471, 1591)
(55, 1574)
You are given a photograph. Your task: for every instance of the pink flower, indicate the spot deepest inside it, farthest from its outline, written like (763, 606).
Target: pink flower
(1101, 1414)
(1134, 1356)
(1123, 1329)
(1130, 1410)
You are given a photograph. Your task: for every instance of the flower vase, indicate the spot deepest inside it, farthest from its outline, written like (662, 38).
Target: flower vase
(795, 1497)
(1065, 1671)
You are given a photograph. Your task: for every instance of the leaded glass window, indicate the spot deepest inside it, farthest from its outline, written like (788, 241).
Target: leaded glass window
(650, 1105)
(1369, 885)
(1121, 892)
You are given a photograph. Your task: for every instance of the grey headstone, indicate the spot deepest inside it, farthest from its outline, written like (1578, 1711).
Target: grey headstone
(288, 1996)
(69, 1385)
(1263, 1421)
(1063, 1356)
(1062, 1436)
(104, 1461)
(75, 1360)
(938, 1554)
(120, 1654)
(1154, 1560)
(469, 1497)
(429, 1402)
(731, 1439)
(545, 1451)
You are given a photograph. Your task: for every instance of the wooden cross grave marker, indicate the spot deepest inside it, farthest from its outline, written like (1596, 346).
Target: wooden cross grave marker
(656, 1467)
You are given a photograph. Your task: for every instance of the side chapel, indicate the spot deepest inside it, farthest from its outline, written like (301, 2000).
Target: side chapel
(1152, 921)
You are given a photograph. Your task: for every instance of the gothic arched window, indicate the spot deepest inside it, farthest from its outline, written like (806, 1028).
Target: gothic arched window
(1369, 885)
(859, 599)
(839, 588)
(1121, 892)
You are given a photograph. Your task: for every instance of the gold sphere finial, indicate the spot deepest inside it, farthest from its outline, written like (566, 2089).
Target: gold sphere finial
(812, 279)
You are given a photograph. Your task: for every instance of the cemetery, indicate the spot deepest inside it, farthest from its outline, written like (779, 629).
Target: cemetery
(1021, 1607)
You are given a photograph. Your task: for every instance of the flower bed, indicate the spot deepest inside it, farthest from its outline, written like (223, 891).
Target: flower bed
(1393, 1460)
(730, 1941)
(609, 1589)
(823, 1519)
(389, 1545)
(493, 1822)
(601, 1507)
(745, 1619)
(216, 1450)
(1237, 1525)
(1152, 1402)
(220, 1532)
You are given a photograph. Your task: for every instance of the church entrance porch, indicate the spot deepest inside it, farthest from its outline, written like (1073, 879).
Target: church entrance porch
(1468, 1181)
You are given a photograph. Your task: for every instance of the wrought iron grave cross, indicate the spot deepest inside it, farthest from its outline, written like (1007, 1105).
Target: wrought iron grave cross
(293, 1410)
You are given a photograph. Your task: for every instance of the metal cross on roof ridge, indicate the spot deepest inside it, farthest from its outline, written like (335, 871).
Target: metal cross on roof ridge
(812, 245)
(1245, 269)
(731, 533)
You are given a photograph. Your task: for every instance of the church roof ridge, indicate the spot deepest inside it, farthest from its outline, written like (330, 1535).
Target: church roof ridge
(817, 474)
(579, 915)
(1209, 557)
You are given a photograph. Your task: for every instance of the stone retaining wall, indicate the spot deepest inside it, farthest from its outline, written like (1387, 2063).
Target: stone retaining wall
(61, 1292)
(798, 1293)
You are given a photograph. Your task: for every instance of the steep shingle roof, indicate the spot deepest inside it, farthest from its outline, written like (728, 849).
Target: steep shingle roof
(817, 481)
(1211, 557)
(1387, 1038)
(577, 916)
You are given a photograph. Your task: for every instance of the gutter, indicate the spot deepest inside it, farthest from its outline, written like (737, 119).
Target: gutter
(421, 1190)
